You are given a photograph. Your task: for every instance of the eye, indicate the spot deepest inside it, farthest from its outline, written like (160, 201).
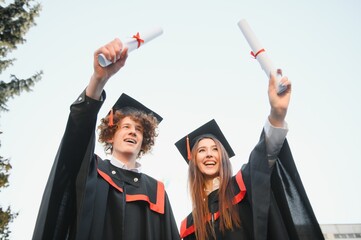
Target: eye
(201, 150)
(215, 149)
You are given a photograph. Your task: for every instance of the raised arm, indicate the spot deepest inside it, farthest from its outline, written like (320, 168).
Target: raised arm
(279, 102)
(113, 52)
(276, 127)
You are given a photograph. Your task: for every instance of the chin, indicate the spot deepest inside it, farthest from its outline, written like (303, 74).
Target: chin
(210, 174)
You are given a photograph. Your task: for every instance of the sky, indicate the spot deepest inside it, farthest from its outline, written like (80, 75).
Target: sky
(199, 69)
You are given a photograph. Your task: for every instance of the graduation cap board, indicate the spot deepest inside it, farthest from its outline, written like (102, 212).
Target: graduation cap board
(210, 128)
(126, 104)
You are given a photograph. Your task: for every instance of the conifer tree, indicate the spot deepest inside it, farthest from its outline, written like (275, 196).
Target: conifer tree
(16, 18)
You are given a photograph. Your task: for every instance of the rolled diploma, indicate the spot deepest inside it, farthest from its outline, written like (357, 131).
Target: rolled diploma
(262, 57)
(132, 44)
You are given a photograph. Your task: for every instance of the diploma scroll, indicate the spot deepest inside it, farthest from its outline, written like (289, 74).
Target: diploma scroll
(260, 54)
(133, 43)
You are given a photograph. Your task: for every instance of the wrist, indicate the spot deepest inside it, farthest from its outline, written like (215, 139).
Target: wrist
(277, 119)
(95, 87)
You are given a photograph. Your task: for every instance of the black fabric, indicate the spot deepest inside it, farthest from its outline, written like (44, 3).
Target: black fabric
(128, 104)
(245, 231)
(79, 203)
(276, 206)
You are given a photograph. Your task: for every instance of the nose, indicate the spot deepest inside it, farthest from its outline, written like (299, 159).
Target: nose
(209, 153)
(132, 131)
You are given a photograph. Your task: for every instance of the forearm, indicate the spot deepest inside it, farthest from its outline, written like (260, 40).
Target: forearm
(95, 88)
(275, 136)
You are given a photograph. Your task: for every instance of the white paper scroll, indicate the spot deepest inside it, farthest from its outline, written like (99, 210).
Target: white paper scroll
(260, 53)
(134, 42)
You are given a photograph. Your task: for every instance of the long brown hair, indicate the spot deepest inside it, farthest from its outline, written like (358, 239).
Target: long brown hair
(229, 217)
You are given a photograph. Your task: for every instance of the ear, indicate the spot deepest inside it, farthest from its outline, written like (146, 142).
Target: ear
(111, 141)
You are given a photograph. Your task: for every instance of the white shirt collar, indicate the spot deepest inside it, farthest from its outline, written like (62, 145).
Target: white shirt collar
(119, 164)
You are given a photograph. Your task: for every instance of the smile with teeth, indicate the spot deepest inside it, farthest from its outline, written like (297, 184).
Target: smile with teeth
(130, 140)
(210, 163)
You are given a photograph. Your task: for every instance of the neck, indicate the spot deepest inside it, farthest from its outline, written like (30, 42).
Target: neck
(127, 159)
(211, 184)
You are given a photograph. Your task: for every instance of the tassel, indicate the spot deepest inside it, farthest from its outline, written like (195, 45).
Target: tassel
(189, 155)
(111, 121)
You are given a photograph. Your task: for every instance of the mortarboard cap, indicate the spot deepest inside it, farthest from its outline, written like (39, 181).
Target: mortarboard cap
(125, 103)
(211, 128)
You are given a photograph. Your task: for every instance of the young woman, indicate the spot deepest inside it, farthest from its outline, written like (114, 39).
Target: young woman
(90, 198)
(264, 200)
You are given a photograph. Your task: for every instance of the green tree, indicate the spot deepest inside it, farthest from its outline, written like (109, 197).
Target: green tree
(16, 18)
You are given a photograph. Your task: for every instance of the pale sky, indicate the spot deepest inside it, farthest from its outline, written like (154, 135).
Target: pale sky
(198, 69)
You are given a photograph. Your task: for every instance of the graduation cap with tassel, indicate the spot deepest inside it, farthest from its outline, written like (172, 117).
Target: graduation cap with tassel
(127, 104)
(209, 129)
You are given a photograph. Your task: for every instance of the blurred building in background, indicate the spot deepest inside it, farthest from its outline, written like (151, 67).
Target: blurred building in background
(341, 231)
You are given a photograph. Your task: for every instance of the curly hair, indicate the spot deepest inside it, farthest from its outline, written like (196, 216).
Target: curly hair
(148, 122)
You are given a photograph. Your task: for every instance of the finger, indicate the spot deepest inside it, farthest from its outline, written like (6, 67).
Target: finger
(279, 71)
(287, 83)
(107, 51)
(123, 57)
(112, 53)
(284, 81)
(272, 80)
(124, 53)
(117, 46)
(112, 49)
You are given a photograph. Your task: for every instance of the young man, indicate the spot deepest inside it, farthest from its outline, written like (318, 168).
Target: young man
(90, 198)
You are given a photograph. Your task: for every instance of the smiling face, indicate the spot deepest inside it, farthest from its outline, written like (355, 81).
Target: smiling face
(127, 140)
(208, 158)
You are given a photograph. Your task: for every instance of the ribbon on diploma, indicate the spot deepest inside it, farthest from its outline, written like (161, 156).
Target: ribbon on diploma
(139, 40)
(255, 55)
(133, 43)
(257, 48)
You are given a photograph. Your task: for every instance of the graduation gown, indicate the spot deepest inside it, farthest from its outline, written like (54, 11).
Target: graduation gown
(89, 198)
(272, 202)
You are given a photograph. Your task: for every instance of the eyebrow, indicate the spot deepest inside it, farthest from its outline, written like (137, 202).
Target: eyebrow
(212, 146)
(140, 126)
(137, 125)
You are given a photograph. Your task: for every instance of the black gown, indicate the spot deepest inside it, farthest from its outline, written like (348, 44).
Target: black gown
(89, 198)
(272, 203)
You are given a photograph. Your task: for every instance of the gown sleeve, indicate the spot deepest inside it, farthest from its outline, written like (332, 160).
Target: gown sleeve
(57, 208)
(280, 206)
